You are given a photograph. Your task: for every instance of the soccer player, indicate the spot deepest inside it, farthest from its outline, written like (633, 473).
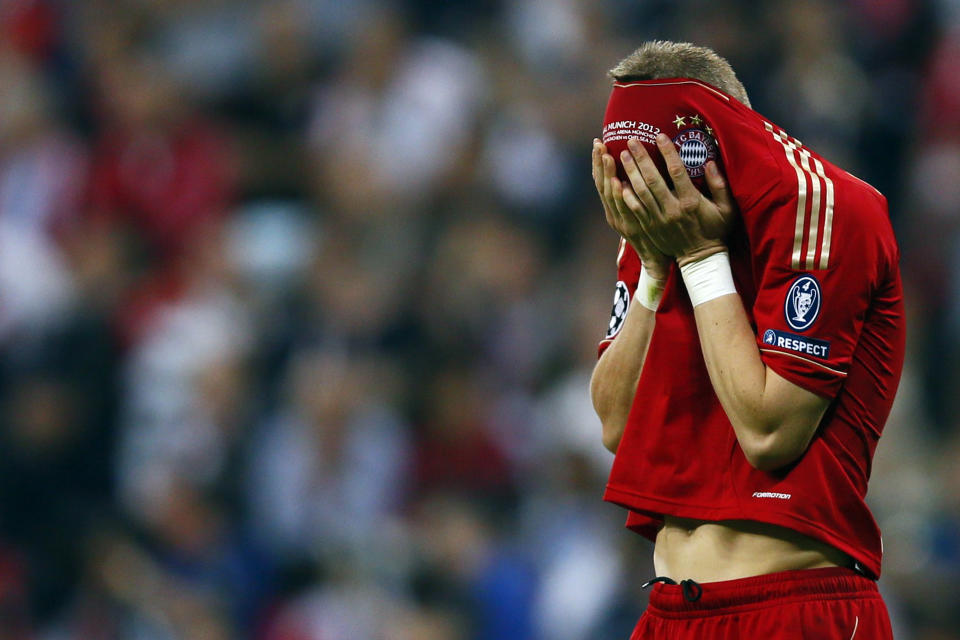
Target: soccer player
(752, 359)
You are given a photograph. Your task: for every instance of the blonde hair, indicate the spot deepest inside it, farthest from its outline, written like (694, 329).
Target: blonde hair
(664, 59)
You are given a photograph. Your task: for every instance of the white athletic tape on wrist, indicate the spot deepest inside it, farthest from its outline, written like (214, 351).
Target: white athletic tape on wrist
(708, 278)
(649, 291)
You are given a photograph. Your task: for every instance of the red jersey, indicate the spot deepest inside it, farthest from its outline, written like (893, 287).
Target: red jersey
(816, 265)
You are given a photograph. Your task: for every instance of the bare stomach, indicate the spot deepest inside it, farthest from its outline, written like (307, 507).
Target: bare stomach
(712, 551)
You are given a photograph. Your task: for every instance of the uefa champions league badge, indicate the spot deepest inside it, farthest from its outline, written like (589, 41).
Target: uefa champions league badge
(695, 145)
(621, 304)
(801, 308)
(802, 305)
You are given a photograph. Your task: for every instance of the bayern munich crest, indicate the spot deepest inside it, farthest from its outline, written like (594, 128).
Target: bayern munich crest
(696, 148)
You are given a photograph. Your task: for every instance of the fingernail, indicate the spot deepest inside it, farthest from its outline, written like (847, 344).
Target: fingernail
(662, 138)
(624, 155)
(633, 143)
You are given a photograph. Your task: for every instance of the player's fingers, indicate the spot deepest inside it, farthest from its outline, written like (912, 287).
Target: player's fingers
(650, 233)
(651, 175)
(616, 190)
(626, 223)
(718, 187)
(687, 193)
(640, 189)
(634, 207)
(596, 165)
(609, 176)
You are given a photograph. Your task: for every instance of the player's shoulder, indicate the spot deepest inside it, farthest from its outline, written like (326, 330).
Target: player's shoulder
(827, 215)
(803, 167)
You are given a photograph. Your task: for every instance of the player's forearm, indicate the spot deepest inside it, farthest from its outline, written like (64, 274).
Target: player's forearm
(615, 377)
(773, 419)
(733, 362)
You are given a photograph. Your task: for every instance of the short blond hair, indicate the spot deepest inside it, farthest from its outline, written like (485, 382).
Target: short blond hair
(664, 59)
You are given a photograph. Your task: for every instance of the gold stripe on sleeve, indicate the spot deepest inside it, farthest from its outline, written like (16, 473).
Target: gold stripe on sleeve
(827, 217)
(814, 208)
(801, 196)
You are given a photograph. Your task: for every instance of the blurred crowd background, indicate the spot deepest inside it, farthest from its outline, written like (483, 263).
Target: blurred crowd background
(299, 302)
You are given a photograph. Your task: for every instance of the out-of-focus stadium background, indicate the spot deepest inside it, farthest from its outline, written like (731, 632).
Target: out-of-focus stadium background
(299, 301)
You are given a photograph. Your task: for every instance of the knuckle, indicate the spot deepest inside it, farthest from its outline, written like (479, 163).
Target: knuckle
(688, 203)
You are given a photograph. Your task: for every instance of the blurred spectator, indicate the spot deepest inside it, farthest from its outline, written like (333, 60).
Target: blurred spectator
(468, 563)
(456, 450)
(30, 27)
(327, 470)
(42, 173)
(399, 109)
(159, 166)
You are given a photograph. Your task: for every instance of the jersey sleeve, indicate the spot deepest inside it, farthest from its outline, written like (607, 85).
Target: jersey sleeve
(816, 270)
(628, 275)
(808, 324)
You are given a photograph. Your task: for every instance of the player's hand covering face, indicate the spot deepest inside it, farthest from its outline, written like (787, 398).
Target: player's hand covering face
(620, 218)
(681, 222)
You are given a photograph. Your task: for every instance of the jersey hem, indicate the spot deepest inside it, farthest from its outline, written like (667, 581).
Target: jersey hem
(664, 82)
(657, 507)
(837, 372)
(826, 388)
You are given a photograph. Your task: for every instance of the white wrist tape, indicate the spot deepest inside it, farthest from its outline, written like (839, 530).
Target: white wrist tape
(649, 291)
(708, 278)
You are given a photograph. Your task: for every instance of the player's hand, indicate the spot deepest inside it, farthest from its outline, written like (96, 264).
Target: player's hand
(681, 222)
(620, 218)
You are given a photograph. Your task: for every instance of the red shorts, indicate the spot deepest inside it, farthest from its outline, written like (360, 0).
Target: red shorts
(834, 603)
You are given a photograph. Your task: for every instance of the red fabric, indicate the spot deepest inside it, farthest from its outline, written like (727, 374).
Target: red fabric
(815, 604)
(168, 185)
(679, 455)
(471, 462)
(941, 99)
(29, 26)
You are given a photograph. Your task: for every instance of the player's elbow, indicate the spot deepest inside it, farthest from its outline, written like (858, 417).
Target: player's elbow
(613, 415)
(610, 435)
(771, 451)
